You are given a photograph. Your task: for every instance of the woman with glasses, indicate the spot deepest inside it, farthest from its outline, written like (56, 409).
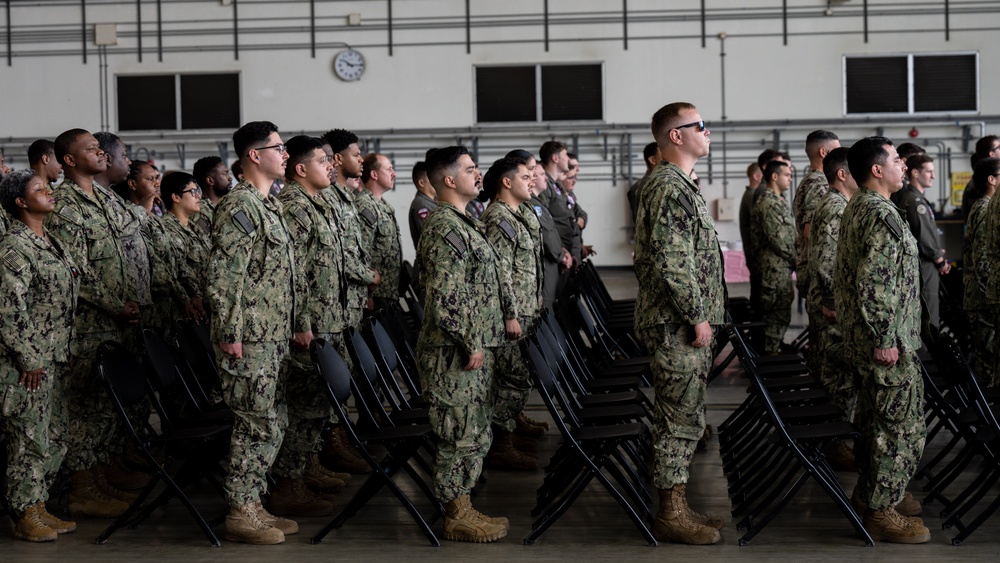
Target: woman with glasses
(38, 290)
(182, 200)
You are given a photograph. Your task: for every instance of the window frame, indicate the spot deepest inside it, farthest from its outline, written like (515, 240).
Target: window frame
(910, 101)
(178, 113)
(538, 93)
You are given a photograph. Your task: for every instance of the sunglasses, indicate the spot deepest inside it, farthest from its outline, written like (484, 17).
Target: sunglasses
(699, 124)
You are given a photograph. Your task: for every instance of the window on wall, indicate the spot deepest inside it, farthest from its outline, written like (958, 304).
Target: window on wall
(570, 92)
(178, 101)
(911, 84)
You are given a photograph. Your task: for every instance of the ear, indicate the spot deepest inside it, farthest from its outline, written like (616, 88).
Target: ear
(69, 160)
(842, 175)
(131, 184)
(876, 170)
(45, 159)
(507, 183)
(176, 198)
(675, 136)
(20, 202)
(449, 182)
(300, 169)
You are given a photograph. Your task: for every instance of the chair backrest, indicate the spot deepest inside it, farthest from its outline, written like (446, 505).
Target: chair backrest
(548, 388)
(333, 370)
(368, 380)
(198, 354)
(123, 375)
(165, 373)
(392, 364)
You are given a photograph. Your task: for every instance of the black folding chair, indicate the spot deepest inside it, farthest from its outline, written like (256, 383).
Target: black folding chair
(400, 442)
(197, 449)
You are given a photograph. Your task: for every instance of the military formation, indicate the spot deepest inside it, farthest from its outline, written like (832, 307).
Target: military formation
(303, 246)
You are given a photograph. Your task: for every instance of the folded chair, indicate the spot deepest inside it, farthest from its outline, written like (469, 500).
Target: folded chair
(196, 449)
(400, 442)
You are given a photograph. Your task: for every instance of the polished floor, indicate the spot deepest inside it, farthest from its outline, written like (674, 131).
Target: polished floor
(594, 529)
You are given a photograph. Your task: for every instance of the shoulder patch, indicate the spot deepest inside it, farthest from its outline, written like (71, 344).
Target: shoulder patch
(423, 212)
(456, 242)
(685, 202)
(14, 261)
(301, 216)
(70, 214)
(538, 210)
(508, 229)
(893, 225)
(922, 209)
(369, 217)
(243, 222)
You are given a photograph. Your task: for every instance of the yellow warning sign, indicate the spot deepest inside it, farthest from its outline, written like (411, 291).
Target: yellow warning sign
(958, 182)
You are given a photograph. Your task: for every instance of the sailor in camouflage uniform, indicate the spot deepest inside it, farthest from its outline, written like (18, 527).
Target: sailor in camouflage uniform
(88, 222)
(38, 290)
(681, 298)
(319, 256)
(379, 228)
(463, 324)
(191, 248)
(979, 259)
(773, 235)
(213, 179)
(810, 192)
(508, 185)
(876, 290)
(251, 288)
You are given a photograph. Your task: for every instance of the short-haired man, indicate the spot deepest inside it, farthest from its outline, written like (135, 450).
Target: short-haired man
(750, 252)
(877, 296)
(773, 233)
(251, 286)
(319, 257)
(508, 185)
(808, 194)
(42, 159)
(555, 256)
(754, 177)
(213, 178)
(919, 214)
(986, 147)
(424, 201)
(118, 160)
(681, 296)
(88, 222)
(463, 323)
(651, 157)
(379, 228)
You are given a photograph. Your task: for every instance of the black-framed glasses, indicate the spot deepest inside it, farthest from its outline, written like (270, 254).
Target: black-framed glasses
(699, 124)
(195, 191)
(279, 146)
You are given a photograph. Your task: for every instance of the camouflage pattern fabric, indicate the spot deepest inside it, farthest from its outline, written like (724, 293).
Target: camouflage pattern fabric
(380, 233)
(191, 249)
(808, 195)
(202, 220)
(975, 276)
(463, 315)
(359, 275)
(773, 237)
(679, 265)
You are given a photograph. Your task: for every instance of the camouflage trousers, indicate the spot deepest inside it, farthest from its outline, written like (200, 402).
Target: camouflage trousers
(251, 388)
(511, 382)
(460, 408)
(776, 298)
(35, 422)
(836, 371)
(92, 422)
(308, 410)
(680, 374)
(891, 418)
(984, 342)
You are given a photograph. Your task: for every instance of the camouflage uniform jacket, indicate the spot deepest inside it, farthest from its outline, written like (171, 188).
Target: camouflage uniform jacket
(520, 258)
(38, 289)
(90, 230)
(359, 275)
(823, 237)
(319, 259)
(191, 251)
(4, 221)
(920, 216)
(773, 237)
(202, 220)
(465, 302)
(876, 281)
(420, 209)
(164, 262)
(811, 191)
(976, 267)
(380, 233)
(251, 279)
(677, 256)
(991, 249)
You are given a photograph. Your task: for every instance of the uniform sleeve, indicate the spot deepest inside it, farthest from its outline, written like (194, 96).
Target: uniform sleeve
(924, 230)
(505, 249)
(163, 260)
(877, 284)
(447, 295)
(300, 230)
(17, 330)
(674, 255)
(73, 238)
(823, 257)
(977, 229)
(355, 262)
(227, 269)
(779, 234)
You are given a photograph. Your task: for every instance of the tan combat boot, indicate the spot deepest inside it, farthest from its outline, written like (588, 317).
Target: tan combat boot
(292, 497)
(122, 477)
(891, 526)
(101, 480)
(530, 427)
(244, 525)
(464, 523)
(673, 523)
(30, 527)
(338, 453)
(841, 457)
(526, 444)
(504, 455)
(321, 479)
(909, 506)
(86, 499)
(287, 527)
(57, 524)
(697, 517)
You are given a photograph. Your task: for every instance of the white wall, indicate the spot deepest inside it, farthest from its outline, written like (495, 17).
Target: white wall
(428, 81)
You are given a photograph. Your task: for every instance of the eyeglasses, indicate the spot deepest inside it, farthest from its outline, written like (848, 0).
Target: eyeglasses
(195, 191)
(279, 146)
(699, 124)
